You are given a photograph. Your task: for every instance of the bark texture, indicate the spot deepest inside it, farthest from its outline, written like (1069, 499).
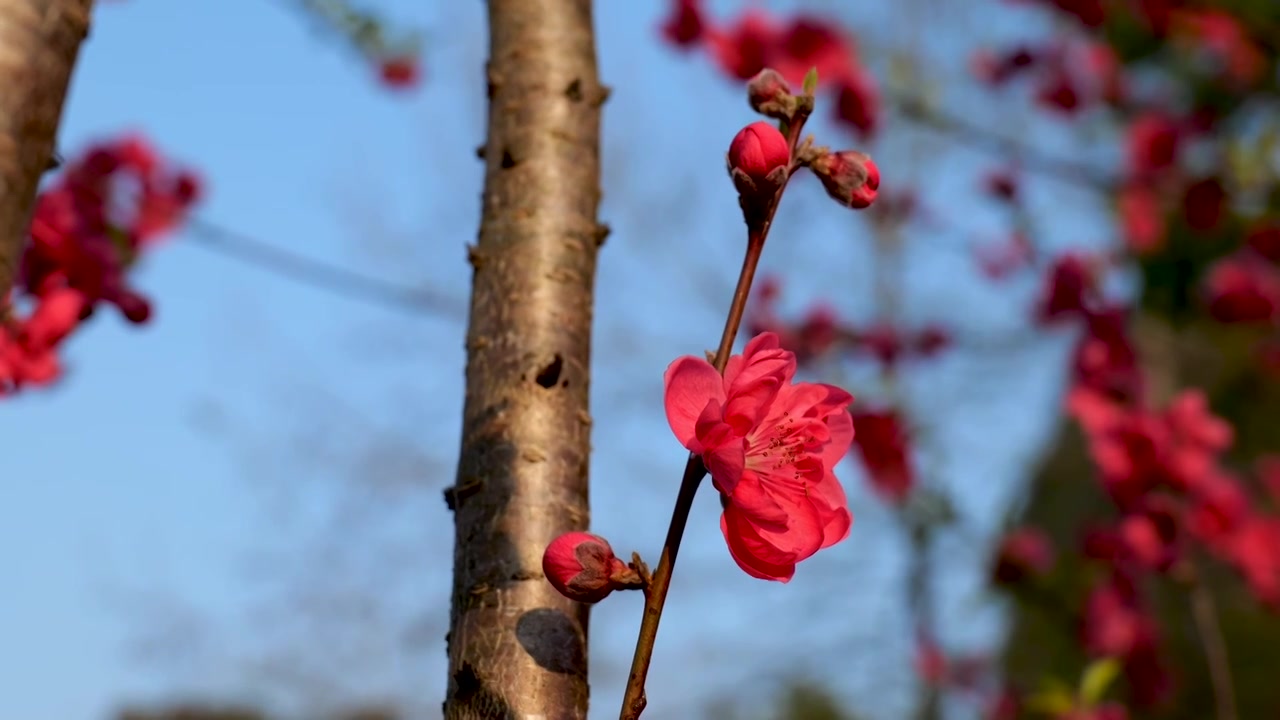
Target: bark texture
(517, 649)
(39, 41)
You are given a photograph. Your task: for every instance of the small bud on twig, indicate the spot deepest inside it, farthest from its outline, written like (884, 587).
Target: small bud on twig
(582, 567)
(759, 160)
(850, 177)
(770, 95)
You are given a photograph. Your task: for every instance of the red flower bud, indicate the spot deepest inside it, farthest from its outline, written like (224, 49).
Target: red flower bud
(757, 151)
(850, 177)
(134, 307)
(582, 567)
(770, 95)
(399, 72)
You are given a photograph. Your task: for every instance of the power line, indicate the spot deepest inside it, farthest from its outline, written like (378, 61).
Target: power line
(319, 274)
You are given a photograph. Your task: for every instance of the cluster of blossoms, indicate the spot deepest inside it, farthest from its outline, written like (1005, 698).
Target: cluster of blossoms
(1177, 501)
(89, 227)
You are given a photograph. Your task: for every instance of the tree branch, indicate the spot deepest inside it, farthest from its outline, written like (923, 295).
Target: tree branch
(1204, 611)
(516, 647)
(39, 41)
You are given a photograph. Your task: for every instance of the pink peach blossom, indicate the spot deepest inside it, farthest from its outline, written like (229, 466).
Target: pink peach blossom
(771, 446)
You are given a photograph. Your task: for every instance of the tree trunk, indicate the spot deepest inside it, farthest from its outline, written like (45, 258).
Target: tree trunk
(517, 649)
(39, 41)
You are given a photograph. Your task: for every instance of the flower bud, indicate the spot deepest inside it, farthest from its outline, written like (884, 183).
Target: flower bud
(759, 161)
(134, 307)
(770, 95)
(757, 151)
(850, 177)
(582, 567)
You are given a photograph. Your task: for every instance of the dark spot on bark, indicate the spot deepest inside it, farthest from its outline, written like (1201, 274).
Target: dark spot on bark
(602, 233)
(453, 496)
(480, 152)
(521, 575)
(491, 81)
(508, 160)
(466, 682)
(553, 640)
(550, 375)
(470, 698)
(574, 91)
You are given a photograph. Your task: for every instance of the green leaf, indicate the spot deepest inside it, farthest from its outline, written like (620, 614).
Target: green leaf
(1097, 678)
(1053, 698)
(811, 81)
(1052, 701)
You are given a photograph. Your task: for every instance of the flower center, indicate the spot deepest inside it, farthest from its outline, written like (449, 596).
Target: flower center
(776, 447)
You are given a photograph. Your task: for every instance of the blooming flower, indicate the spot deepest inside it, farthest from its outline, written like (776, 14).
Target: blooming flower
(771, 446)
(1153, 144)
(1243, 289)
(685, 26)
(885, 449)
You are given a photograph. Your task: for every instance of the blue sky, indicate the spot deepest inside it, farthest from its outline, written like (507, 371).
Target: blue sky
(166, 511)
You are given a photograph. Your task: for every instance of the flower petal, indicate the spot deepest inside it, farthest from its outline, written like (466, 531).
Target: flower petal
(833, 508)
(757, 505)
(742, 542)
(803, 535)
(691, 384)
(749, 402)
(710, 430)
(766, 353)
(840, 427)
(726, 464)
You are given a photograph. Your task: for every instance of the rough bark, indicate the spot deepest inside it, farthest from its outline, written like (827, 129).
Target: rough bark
(517, 649)
(39, 42)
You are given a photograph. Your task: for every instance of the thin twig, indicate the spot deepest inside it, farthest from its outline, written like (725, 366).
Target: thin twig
(1204, 610)
(634, 700)
(919, 593)
(319, 274)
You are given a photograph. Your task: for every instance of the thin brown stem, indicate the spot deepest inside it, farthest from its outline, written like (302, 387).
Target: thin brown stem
(1205, 612)
(920, 596)
(738, 306)
(655, 598)
(634, 700)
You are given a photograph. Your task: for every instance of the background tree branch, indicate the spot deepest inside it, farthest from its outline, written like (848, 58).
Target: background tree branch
(39, 42)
